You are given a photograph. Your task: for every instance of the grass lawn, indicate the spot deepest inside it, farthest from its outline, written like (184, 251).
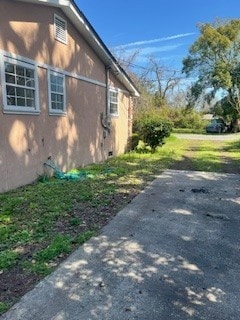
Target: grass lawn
(42, 223)
(187, 130)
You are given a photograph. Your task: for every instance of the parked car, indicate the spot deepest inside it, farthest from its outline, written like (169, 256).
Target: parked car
(216, 126)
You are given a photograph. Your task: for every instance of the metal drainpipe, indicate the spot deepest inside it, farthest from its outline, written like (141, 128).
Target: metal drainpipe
(104, 118)
(107, 88)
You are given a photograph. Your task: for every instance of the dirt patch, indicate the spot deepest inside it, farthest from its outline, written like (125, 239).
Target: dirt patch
(185, 163)
(15, 283)
(229, 165)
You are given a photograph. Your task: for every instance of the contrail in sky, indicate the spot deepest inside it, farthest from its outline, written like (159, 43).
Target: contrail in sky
(140, 43)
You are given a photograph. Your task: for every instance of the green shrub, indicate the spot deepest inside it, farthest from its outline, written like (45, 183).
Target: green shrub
(179, 117)
(190, 119)
(152, 129)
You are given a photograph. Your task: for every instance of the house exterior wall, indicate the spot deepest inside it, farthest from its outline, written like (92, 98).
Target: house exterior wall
(75, 138)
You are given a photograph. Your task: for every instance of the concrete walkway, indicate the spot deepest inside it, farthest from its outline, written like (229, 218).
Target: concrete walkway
(172, 253)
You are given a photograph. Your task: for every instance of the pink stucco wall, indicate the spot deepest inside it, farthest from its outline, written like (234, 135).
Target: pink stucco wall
(75, 139)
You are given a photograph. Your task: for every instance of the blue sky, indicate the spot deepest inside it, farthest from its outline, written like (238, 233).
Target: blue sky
(163, 29)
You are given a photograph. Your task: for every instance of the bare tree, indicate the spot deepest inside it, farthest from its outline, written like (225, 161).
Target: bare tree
(156, 82)
(165, 80)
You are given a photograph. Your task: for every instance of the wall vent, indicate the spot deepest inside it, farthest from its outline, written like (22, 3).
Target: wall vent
(60, 29)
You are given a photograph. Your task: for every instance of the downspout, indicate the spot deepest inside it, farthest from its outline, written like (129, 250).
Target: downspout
(104, 117)
(107, 87)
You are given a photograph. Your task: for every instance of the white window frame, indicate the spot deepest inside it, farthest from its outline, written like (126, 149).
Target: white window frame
(112, 101)
(27, 64)
(63, 33)
(54, 111)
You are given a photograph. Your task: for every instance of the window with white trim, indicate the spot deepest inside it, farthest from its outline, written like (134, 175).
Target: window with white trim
(113, 102)
(60, 29)
(56, 92)
(20, 89)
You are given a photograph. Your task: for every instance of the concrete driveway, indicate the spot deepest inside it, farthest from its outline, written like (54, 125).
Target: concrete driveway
(172, 253)
(211, 137)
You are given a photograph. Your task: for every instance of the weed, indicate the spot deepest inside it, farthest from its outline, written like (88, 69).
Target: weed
(61, 244)
(75, 221)
(3, 307)
(39, 268)
(83, 237)
(43, 178)
(21, 237)
(8, 258)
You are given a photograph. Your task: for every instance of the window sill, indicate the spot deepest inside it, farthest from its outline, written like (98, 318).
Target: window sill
(58, 114)
(23, 112)
(114, 115)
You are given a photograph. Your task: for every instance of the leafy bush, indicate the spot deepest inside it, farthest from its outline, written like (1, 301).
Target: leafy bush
(190, 119)
(179, 117)
(152, 129)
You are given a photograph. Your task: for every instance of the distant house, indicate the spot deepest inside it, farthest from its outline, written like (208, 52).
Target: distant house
(208, 116)
(62, 93)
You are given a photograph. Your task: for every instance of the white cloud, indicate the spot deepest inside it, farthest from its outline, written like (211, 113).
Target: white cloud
(150, 50)
(166, 52)
(144, 53)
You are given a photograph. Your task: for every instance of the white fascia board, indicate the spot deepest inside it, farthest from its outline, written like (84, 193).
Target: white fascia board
(55, 3)
(96, 44)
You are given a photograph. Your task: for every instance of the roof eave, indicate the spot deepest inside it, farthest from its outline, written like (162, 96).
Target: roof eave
(83, 25)
(79, 20)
